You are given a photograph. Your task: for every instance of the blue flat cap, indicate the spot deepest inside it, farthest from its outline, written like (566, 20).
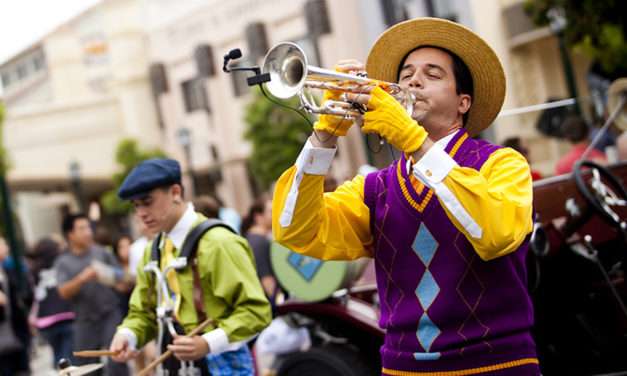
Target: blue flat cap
(148, 175)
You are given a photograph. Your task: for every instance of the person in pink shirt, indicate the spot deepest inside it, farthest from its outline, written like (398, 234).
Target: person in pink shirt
(576, 131)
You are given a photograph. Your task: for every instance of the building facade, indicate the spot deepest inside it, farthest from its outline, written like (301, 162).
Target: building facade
(70, 99)
(152, 70)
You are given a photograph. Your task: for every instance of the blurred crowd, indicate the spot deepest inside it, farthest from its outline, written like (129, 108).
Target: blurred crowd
(86, 275)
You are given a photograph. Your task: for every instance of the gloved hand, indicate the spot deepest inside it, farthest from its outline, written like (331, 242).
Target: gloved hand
(387, 117)
(332, 124)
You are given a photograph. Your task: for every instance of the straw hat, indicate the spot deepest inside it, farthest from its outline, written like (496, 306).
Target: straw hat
(486, 70)
(616, 89)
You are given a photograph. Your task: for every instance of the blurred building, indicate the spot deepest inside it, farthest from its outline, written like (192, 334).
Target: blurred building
(70, 98)
(152, 70)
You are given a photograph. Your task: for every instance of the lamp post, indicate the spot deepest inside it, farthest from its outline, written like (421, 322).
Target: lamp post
(557, 24)
(184, 138)
(75, 181)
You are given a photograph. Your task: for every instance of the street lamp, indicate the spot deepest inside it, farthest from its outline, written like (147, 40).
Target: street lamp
(557, 24)
(184, 138)
(75, 181)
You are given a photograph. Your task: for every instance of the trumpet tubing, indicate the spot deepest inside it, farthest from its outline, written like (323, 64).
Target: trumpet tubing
(291, 75)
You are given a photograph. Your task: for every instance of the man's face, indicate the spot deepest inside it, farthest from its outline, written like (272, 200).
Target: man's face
(157, 210)
(81, 236)
(428, 73)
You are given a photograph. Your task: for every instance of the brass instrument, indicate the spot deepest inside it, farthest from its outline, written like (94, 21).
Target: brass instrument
(291, 75)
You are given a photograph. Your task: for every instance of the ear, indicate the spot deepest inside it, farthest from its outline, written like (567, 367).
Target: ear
(177, 193)
(465, 101)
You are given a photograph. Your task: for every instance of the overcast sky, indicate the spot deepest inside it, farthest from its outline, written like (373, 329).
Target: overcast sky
(23, 22)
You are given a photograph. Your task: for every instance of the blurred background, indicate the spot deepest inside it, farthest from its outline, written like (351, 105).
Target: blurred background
(90, 88)
(122, 80)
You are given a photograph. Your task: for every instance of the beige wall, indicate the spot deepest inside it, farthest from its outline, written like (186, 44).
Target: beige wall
(94, 92)
(174, 36)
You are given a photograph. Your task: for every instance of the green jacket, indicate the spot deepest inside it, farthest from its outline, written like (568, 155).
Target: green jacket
(233, 296)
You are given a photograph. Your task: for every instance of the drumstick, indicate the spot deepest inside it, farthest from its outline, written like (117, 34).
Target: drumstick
(94, 353)
(168, 353)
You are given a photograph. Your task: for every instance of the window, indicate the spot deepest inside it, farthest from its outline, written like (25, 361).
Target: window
(238, 78)
(22, 71)
(214, 153)
(38, 63)
(6, 79)
(195, 95)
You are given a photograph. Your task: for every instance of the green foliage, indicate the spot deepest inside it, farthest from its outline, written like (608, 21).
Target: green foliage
(597, 28)
(127, 156)
(277, 136)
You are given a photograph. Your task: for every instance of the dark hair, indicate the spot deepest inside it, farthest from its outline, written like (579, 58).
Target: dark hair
(116, 249)
(258, 207)
(207, 206)
(68, 222)
(463, 77)
(516, 144)
(513, 142)
(43, 255)
(575, 129)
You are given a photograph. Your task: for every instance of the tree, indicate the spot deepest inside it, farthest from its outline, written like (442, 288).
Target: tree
(127, 156)
(596, 28)
(277, 136)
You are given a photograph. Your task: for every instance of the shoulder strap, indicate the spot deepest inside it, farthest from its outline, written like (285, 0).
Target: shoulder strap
(190, 245)
(155, 252)
(190, 248)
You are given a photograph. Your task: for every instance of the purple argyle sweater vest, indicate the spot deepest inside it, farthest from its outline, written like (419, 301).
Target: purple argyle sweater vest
(443, 308)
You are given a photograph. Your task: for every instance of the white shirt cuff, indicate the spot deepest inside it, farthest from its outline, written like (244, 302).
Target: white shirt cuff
(217, 340)
(130, 337)
(311, 160)
(315, 161)
(434, 166)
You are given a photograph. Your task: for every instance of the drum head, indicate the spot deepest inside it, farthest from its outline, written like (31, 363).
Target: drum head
(308, 278)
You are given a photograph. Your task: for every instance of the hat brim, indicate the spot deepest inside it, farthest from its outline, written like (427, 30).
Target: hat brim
(486, 69)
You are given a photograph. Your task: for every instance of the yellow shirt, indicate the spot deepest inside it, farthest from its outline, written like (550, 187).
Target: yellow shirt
(336, 225)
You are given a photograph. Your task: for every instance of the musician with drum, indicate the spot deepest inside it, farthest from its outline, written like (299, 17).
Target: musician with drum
(447, 223)
(197, 276)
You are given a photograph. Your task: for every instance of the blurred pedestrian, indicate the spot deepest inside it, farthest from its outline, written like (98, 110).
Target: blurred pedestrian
(621, 146)
(207, 206)
(124, 287)
(576, 131)
(257, 228)
(86, 274)
(15, 302)
(54, 315)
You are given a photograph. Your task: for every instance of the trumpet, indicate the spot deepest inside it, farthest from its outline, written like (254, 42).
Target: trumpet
(290, 75)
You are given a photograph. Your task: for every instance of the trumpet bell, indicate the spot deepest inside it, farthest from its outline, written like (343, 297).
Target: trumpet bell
(287, 65)
(616, 95)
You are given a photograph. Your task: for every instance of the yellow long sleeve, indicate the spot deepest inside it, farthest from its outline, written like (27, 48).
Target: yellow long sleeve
(499, 198)
(328, 226)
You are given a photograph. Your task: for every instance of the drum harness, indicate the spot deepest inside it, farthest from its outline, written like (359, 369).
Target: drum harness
(165, 307)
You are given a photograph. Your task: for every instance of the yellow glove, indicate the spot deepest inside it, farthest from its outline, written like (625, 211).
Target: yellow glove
(332, 124)
(386, 117)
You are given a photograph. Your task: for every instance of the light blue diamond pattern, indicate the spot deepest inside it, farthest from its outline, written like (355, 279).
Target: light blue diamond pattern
(427, 332)
(424, 245)
(427, 290)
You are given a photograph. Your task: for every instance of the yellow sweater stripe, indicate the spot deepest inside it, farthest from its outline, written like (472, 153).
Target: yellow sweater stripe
(463, 372)
(417, 185)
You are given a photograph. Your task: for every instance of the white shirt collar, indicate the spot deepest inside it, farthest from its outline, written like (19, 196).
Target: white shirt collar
(443, 143)
(446, 139)
(183, 226)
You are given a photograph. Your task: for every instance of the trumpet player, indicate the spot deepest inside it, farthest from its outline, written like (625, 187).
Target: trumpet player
(447, 223)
